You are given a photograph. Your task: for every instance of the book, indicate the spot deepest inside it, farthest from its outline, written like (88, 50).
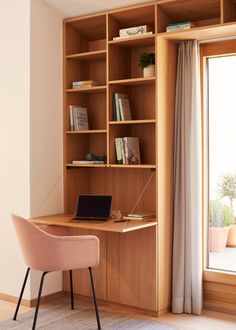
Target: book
(126, 217)
(128, 36)
(124, 108)
(78, 118)
(114, 107)
(179, 26)
(135, 30)
(88, 162)
(143, 214)
(82, 83)
(118, 145)
(131, 150)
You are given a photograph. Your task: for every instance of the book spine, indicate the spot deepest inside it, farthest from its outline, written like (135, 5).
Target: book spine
(126, 151)
(117, 107)
(74, 119)
(121, 109)
(114, 107)
(118, 151)
(71, 118)
(85, 82)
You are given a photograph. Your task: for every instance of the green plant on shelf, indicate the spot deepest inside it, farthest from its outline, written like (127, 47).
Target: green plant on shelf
(146, 59)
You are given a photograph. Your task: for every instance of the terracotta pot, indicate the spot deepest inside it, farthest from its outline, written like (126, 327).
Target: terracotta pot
(149, 71)
(231, 241)
(218, 238)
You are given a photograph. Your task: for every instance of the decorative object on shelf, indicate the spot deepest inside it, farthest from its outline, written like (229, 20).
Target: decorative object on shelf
(179, 26)
(135, 30)
(91, 156)
(78, 118)
(147, 63)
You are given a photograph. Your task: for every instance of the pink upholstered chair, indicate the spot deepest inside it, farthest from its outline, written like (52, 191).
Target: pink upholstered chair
(50, 248)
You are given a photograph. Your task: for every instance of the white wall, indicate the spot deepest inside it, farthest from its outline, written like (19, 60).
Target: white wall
(14, 136)
(30, 130)
(46, 158)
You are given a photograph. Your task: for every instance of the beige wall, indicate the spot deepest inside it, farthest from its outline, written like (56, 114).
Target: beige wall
(46, 170)
(30, 130)
(14, 135)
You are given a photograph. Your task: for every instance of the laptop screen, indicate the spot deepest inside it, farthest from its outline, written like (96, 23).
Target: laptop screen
(94, 206)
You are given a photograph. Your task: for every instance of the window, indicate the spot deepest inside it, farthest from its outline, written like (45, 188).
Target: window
(221, 150)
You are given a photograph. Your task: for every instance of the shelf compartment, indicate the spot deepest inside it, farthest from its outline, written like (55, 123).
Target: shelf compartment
(146, 135)
(88, 56)
(228, 11)
(79, 145)
(124, 62)
(85, 34)
(135, 42)
(115, 181)
(141, 99)
(201, 13)
(126, 18)
(96, 105)
(78, 70)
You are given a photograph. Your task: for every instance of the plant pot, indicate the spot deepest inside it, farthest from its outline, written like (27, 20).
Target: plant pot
(231, 241)
(218, 238)
(149, 71)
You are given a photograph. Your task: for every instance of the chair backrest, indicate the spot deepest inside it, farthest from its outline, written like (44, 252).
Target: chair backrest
(30, 238)
(52, 252)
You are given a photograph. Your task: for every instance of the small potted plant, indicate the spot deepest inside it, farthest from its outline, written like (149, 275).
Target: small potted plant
(147, 63)
(221, 217)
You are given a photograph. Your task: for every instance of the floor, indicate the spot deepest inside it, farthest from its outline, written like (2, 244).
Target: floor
(209, 320)
(225, 260)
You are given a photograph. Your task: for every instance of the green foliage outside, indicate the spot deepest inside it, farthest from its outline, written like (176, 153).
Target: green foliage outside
(227, 187)
(146, 59)
(221, 215)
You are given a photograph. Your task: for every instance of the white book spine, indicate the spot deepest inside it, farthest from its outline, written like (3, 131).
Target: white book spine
(117, 107)
(71, 118)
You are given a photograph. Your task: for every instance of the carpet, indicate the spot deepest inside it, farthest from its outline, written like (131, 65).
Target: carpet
(58, 316)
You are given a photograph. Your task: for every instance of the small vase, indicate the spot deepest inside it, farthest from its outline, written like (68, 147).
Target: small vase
(149, 71)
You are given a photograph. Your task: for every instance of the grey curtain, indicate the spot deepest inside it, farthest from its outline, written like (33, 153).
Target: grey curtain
(187, 244)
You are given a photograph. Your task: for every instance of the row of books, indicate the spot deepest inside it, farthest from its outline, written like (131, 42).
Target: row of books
(179, 26)
(134, 31)
(127, 150)
(121, 107)
(78, 118)
(84, 84)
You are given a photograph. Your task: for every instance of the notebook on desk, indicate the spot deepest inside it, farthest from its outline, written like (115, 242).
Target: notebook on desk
(93, 207)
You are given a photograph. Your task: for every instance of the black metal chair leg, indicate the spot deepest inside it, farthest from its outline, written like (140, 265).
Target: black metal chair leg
(21, 294)
(94, 299)
(71, 291)
(38, 300)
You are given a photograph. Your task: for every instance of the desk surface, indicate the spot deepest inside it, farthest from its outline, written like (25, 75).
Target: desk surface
(110, 225)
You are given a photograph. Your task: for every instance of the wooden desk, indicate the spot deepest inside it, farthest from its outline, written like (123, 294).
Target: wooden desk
(127, 273)
(110, 225)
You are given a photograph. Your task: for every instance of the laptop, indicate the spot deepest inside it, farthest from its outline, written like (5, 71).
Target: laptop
(93, 207)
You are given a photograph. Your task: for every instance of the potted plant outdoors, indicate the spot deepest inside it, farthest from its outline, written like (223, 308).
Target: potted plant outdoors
(147, 63)
(227, 188)
(221, 217)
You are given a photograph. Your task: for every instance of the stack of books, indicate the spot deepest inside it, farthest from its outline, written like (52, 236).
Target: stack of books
(134, 31)
(121, 107)
(84, 83)
(78, 118)
(139, 216)
(179, 26)
(127, 150)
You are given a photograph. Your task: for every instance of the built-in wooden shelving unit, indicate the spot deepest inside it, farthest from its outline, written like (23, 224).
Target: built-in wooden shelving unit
(137, 266)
